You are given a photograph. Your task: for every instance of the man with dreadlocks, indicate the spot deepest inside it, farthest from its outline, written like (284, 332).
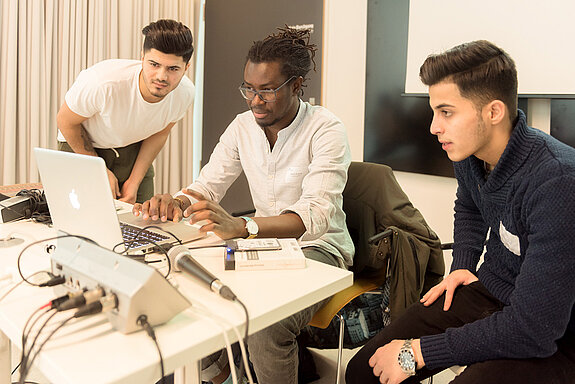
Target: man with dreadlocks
(295, 157)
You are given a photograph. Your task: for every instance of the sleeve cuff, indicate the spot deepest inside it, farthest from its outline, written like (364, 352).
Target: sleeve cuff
(435, 351)
(464, 261)
(315, 224)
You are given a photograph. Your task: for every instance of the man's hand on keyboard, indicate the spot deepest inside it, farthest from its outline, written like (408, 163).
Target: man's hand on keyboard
(160, 207)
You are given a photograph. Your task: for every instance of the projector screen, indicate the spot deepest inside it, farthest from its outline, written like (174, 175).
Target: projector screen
(538, 35)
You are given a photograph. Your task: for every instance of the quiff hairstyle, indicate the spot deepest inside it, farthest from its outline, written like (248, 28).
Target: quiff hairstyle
(170, 37)
(482, 71)
(290, 47)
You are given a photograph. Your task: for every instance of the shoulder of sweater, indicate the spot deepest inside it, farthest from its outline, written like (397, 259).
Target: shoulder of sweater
(551, 157)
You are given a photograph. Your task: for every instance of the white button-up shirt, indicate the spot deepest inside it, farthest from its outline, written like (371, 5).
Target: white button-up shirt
(304, 173)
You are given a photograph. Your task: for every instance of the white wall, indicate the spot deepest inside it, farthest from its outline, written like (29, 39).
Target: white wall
(343, 90)
(343, 70)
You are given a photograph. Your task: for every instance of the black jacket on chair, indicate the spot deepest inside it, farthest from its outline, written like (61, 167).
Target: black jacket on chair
(391, 236)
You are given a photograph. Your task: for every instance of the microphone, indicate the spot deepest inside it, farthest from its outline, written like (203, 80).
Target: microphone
(182, 260)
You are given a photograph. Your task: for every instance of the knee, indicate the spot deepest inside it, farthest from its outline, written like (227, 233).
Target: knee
(271, 338)
(351, 370)
(358, 369)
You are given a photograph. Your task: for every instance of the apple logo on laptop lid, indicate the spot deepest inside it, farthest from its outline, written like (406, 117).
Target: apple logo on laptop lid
(74, 200)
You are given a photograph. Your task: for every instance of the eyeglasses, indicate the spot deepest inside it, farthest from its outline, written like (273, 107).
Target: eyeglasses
(267, 95)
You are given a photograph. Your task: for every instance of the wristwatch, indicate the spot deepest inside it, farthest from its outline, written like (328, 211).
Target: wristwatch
(406, 358)
(251, 226)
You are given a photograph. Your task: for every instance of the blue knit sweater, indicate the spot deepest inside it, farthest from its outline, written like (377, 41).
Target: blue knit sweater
(528, 203)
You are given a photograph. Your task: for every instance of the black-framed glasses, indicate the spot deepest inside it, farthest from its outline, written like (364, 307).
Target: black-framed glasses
(267, 95)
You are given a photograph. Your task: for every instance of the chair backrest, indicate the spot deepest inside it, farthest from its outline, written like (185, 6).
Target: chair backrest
(373, 200)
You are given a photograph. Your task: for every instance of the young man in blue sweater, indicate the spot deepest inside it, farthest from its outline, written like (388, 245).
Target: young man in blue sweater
(513, 319)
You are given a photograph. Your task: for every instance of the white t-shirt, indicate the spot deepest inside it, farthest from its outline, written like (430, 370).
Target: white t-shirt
(108, 94)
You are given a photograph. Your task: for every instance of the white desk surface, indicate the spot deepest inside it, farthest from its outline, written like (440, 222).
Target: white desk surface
(90, 351)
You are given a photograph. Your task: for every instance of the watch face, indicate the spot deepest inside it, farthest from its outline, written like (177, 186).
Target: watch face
(252, 227)
(407, 361)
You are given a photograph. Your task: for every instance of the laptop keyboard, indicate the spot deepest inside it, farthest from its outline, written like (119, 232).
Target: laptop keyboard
(130, 233)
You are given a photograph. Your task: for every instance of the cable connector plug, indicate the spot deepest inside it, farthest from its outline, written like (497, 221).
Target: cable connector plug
(142, 321)
(54, 280)
(54, 303)
(84, 299)
(227, 293)
(105, 304)
(89, 309)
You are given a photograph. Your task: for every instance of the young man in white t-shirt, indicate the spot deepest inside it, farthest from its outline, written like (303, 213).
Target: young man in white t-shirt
(123, 110)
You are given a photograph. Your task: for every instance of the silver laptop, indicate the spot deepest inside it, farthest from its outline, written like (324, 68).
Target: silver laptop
(81, 203)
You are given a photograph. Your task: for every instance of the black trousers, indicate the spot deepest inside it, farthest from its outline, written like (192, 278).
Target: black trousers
(470, 303)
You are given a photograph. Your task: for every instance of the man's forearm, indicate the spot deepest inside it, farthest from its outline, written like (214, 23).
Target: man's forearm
(70, 124)
(286, 225)
(79, 140)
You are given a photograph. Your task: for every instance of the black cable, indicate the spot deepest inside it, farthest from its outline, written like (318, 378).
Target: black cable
(38, 209)
(25, 331)
(39, 206)
(160, 229)
(14, 370)
(46, 309)
(142, 321)
(41, 218)
(127, 243)
(18, 284)
(151, 242)
(24, 365)
(25, 334)
(37, 199)
(41, 241)
(137, 238)
(29, 365)
(242, 367)
(27, 362)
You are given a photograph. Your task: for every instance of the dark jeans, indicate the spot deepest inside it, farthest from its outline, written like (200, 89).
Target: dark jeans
(274, 350)
(121, 161)
(470, 303)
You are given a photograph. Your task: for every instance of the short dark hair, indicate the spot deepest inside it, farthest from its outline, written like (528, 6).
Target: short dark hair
(290, 47)
(482, 71)
(169, 36)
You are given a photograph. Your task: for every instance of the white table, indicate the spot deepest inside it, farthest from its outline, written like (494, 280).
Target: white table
(91, 351)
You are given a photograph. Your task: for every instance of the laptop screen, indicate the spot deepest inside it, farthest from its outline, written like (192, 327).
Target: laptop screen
(79, 196)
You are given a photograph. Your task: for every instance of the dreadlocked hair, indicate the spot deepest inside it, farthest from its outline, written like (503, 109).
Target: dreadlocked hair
(290, 47)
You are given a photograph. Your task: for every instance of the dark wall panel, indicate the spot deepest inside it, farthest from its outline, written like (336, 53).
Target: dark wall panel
(396, 126)
(563, 121)
(231, 28)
